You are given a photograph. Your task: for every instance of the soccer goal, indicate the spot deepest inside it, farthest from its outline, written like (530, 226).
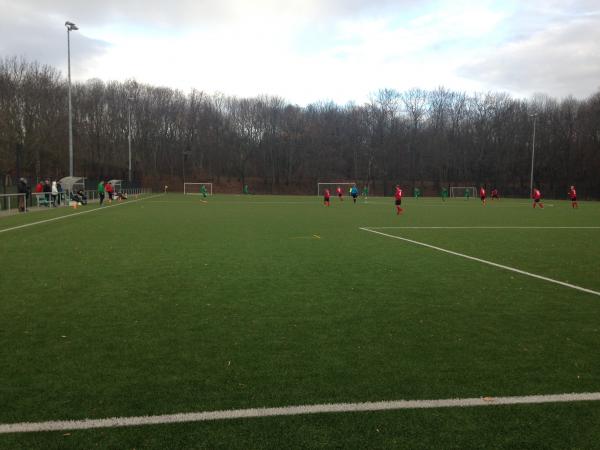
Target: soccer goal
(333, 186)
(462, 191)
(196, 188)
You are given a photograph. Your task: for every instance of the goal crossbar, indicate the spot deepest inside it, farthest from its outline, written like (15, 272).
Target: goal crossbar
(195, 188)
(462, 191)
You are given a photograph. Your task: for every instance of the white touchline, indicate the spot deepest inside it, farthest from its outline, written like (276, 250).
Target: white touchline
(99, 208)
(472, 258)
(485, 228)
(86, 424)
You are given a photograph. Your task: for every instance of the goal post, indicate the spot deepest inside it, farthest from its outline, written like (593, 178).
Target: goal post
(332, 187)
(195, 188)
(463, 191)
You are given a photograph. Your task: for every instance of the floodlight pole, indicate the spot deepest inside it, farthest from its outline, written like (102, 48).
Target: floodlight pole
(532, 155)
(129, 100)
(70, 27)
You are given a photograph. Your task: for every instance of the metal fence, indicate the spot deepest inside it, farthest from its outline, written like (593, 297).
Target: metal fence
(9, 203)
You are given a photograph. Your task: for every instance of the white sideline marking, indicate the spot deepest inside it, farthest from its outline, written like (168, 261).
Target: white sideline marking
(99, 208)
(86, 424)
(501, 266)
(486, 228)
(226, 202)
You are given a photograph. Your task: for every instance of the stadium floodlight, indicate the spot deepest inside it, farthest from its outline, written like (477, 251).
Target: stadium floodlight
(129, 100)
(532, 154)
(70, 27)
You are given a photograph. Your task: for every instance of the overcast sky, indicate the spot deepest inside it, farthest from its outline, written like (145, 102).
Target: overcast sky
(309, 50)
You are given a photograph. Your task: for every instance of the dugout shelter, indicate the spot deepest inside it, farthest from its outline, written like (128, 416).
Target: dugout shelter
(72, 184)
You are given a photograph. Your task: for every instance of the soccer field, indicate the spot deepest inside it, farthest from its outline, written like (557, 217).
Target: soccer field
(171, 305)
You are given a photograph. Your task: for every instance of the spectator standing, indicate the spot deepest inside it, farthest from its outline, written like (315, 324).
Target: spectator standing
(54, 193)
(47, 189)
(23, 189)
(60, 191)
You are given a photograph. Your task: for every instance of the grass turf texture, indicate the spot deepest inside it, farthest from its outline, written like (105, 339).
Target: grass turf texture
(173, 305)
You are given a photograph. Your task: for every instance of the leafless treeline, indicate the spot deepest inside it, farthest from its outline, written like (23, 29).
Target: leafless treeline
(419, 138)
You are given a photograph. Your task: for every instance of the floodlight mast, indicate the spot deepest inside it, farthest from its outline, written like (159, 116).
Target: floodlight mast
(70, 27)
(129, 100)
(532, 155)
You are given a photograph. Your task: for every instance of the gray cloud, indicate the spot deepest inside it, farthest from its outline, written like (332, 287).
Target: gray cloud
(189, 12)
(34, 28)
(43, 37)
(551, 45)
(561, 59)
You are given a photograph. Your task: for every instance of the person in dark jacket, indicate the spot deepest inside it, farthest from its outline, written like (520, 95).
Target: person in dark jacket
(23, 188)
(47, 191)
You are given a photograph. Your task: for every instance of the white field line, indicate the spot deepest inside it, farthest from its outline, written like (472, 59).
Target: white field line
(99, 208)
(412, 203)
(86, 424)
(490, 263)
(194, 201)
(485, 228)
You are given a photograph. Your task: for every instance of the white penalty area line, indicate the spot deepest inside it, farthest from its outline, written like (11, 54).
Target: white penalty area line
(483, 261)
(485, 228)
(112, 422)
(99, 208)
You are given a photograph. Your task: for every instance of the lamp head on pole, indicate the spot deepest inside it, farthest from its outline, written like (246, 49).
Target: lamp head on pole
(71, 26)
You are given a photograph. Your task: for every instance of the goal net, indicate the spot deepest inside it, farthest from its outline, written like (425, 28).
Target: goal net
(196, 188)
(463, 191)
(333, 186)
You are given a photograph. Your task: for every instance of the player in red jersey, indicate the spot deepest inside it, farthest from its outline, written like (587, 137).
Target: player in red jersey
(398, 200)
(495, 195)
(482, 195)
(326, 197)
(537, 197)
(573, 197)
(339, 193)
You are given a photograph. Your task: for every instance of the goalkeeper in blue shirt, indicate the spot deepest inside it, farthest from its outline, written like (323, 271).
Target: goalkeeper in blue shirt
(354, 193)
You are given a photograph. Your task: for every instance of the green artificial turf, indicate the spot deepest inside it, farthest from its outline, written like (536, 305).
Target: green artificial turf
(172, 305)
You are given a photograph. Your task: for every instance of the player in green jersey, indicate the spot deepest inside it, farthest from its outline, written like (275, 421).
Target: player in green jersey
(203, 191)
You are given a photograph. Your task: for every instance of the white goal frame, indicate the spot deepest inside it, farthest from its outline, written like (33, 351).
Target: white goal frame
(196, 191)
(321, 186)
(453, 190)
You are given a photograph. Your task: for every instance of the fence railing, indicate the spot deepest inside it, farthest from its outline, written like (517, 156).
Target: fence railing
(12, 202)
(46, 199)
